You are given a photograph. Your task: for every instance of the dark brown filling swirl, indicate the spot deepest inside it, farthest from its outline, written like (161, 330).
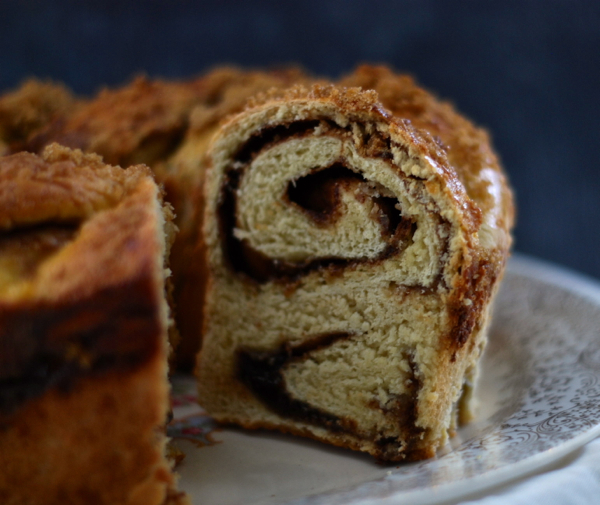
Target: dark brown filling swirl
(263, 373)
(317, 195)
(46, 345)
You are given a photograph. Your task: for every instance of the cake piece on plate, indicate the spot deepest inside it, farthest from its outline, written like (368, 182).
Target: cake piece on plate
(355, 240)
(84, 394)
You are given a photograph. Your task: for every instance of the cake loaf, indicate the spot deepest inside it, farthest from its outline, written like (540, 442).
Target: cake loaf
(355, 238)
(84, 394)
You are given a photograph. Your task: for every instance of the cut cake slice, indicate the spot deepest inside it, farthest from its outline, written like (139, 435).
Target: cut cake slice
(355, 241)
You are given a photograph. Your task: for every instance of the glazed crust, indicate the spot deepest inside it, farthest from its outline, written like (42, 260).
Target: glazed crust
(83, 333)
(467, 148)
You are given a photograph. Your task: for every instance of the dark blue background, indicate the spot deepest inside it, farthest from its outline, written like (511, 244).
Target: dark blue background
(529, 71)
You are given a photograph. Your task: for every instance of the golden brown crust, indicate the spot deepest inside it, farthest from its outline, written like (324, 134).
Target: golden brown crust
(83, 334)
(140, 123)
(62, 185)
(30, 107)
(70, 187)
(145, 120)
(93, 443)
(468, 148)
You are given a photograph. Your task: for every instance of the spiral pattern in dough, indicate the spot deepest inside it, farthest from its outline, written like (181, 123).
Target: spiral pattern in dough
(343, 253)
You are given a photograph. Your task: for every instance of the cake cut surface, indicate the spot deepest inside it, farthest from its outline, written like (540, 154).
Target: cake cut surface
(84, 393)
(354, 241)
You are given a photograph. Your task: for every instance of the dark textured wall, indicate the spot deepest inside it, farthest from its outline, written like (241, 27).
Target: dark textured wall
(529, 71)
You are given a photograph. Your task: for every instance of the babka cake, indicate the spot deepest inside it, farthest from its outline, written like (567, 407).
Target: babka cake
(84, 392)
(355, 237)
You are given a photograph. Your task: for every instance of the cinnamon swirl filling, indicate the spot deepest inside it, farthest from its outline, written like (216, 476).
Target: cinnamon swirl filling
(324, 196)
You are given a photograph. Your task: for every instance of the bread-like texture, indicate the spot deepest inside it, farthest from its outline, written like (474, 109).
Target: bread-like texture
(84, 392)
(355, 240)
(468, 149)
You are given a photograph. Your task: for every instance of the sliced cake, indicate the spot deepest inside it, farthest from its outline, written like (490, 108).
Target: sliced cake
(355, 240)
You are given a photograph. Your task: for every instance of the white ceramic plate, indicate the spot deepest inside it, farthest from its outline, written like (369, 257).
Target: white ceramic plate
(539, 398)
